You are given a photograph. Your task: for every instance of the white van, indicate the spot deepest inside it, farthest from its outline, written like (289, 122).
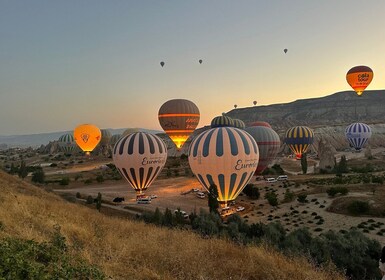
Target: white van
(282, 178)
(200, 195)
(144, 200)
(271, 180)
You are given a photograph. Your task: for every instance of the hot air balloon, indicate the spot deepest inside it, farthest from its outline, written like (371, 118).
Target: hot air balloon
(255, 103)
(162, 63)
(179, 118)
(359, 77)
(226, 157)
(358, 134)
(87, 136)
(299, 138)
(285, 50)
(140, 158)
(268, 144)
(259, 123)
(67, 143)
(114, 139)
(221, 121)
(200, 61)
(235, 106)
(239, 123)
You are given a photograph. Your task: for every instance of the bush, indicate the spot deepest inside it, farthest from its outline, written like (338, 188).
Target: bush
(358, 207)
(100, 178)
(335, 190)
(78, 195)
(38, 176)
(64, 181)
(272, 198)
(302, 198)
(251, 191)
(289, 196)
(89, 200)
(88, 181)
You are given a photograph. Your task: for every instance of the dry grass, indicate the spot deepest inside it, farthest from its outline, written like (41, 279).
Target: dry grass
(132, 250)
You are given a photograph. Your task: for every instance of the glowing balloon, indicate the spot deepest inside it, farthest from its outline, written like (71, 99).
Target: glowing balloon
(179, 118)
(226, 157)
(299, 138)
(268, 144)
(285, 50)
(359, 77)
(67, 143)
(162, 63)
(222, 121)
(87, 136)
(358, 134)
(140, 158)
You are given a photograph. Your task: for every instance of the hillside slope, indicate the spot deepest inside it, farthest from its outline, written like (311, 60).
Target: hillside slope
(127, 249)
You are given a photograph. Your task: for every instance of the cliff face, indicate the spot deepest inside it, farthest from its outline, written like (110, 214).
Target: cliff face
(341, 108)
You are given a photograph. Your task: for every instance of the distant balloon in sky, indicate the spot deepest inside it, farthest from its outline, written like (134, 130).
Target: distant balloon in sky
(358, 134)
(359, 77)
(299, 138)
(179, 118)
(268, 144)
(226, 157)
(200, 61)
(87, 136)
(285, 50)
(255, 103)
(235, 106)
(140, 158)
(162, 63)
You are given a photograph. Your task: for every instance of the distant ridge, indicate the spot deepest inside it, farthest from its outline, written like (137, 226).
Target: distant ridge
(340, 108)
(36, 140)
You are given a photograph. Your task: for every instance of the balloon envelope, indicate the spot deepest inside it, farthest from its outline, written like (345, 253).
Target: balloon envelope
(162, 63)
(140, 158)
(358, 134)
(285, 50)
(359, 77)
(114, 139)
(268, 144)
(200, 61)
(179, 118)
(106, 136)
(239, 123)
(299, 138)
(67, 143)
(87, 136)
(226, 157)
(222, 121)
(259, 123)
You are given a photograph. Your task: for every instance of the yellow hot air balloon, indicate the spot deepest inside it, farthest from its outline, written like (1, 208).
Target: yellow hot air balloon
(87, 136)
(179, 118)
(359, 77)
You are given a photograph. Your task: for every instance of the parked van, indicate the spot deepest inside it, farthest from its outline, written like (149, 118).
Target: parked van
(282, 178)
(144, 200)
(271, 180)
(200, 195)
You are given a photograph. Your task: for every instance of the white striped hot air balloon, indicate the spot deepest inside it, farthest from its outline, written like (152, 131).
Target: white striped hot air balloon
(268, 143)
(358, 134)
(226, 157)
(140, 158)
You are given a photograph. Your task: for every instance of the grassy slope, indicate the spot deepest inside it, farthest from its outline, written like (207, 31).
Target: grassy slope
(132, 250)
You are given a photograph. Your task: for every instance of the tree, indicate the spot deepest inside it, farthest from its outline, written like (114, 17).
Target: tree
(23, 172)
(304, 163)
(213, 199)
(38, 176)
(99, 201)
(302, 198)
(167, 218)
(272, 198)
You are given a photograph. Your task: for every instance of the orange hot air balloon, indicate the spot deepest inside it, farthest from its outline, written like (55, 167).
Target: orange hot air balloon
(179, 118)
(359, 77)
(87, 136)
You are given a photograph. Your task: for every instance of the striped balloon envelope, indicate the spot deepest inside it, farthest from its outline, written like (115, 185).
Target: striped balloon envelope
(239, 124)
(67, 143)
(222, 121)
(260, 123)
(359, 77)
(268, 143)
(299, 138)
(358, 134)
(226, 157)
(179, 118)
(140, 158)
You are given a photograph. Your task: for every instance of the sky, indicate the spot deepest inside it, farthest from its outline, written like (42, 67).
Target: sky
(64, 63)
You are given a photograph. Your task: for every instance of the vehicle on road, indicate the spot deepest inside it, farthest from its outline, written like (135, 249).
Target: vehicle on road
(271, 180)
(282, 178)
(240, 208)
(200, 195)
(144, 200)
(153, 196)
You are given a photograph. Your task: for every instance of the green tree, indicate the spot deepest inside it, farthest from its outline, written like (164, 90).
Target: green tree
(38, 176)
(302, 198)
(213, 199)
(23, 171)
(99, 201)
(272, 198)
(167, 218)
(304, 163)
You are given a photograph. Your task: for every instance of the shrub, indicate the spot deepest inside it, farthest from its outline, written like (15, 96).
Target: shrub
(289, 196)
(38, 176)
(358, 207)
(88, 181)
(64, 181)
(302, 198)
(89, 200)
(100, 178)
(272, 198)
(335, 190)
(78, 195)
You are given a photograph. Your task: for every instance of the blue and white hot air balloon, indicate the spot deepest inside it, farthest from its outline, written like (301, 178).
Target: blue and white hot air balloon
(226, 157)
(140, 158)
(358, 134)
(67, 143)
